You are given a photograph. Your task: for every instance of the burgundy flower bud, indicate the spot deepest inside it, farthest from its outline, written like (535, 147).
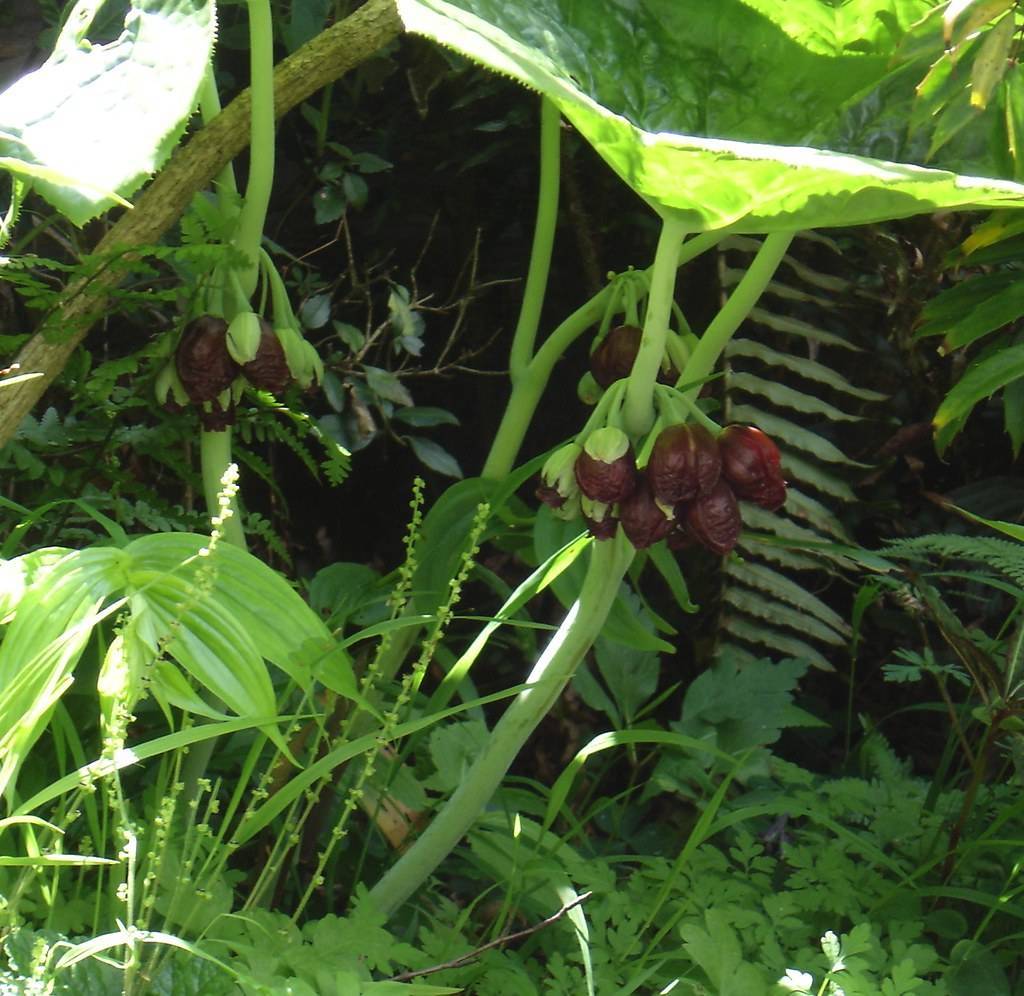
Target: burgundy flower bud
(549, 496)
(679, 536)
(613, 358)
(606, 469)
(714, 519)
(268, 369)
(750, 463)
(644, 521)
(684, 463)
(599, 519)
(204, 364)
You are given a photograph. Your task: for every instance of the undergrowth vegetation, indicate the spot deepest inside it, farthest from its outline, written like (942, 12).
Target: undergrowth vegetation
(435, 560)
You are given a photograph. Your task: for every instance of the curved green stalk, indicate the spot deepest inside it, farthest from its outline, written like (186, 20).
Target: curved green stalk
(638, 410)
(527, 391)
(543, 240)
(249, 235)
(582, 625)
(215, 447)
(209, 108)
(742, 300)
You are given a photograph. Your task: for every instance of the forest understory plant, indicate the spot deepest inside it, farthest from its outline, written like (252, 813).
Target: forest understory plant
(277, 785)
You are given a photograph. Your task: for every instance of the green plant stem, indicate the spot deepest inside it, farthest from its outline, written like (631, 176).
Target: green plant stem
(638, 409)
(582, 624)
(729, 318)
(528, 390)
(209, 108)
(214, 458)
(249, 236)
(543, 240)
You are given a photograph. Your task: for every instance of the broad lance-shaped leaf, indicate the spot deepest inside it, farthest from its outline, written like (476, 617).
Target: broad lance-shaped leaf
(982, 379)
(96, 119)
(705, 108)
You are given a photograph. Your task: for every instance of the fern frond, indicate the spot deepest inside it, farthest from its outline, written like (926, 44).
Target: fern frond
(771, 638)
(1000, 555)
(795, 435)
(782, 588)
(779, 378)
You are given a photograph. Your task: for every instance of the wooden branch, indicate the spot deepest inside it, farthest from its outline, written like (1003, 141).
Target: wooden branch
(326, 58)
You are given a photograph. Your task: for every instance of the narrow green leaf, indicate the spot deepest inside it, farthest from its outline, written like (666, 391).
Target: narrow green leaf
(1013, 414)
(991, 62)
(987, 315)
(787, 397)
(424, 416)
(800, 365)
(434, 456)
(981, 380)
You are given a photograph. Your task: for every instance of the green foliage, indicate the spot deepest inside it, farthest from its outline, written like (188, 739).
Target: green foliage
(662, 93)
(245, 807)
(113, 95)
(778, 378)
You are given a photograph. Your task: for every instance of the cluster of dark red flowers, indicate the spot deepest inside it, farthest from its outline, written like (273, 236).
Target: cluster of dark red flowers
(207, 369)
(687, 492)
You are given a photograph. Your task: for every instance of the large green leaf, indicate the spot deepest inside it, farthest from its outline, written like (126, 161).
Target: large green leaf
(982, 379)
(705, 108)
(99, 118)
(57, 602)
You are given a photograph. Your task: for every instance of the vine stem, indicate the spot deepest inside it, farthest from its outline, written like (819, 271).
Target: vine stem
(260, 182)
(638, 409)
(582, 625)
(732, 314)
(543, 241)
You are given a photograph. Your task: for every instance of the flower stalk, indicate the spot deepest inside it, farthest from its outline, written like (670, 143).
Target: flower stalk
(553, 670)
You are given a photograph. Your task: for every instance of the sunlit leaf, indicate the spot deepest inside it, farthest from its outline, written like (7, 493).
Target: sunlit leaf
(981, 381)
(100, 118)
(705, 108)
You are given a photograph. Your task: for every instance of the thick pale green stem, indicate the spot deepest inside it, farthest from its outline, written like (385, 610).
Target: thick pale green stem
(214, 457)
(261, 140)
(581, 626)
(543, 240)
(527, 391)
(706, 353)
(209, 108)
(638, 410)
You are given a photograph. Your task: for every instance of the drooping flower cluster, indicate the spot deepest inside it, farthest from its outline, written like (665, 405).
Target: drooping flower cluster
(687, 492)
(214, 360)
